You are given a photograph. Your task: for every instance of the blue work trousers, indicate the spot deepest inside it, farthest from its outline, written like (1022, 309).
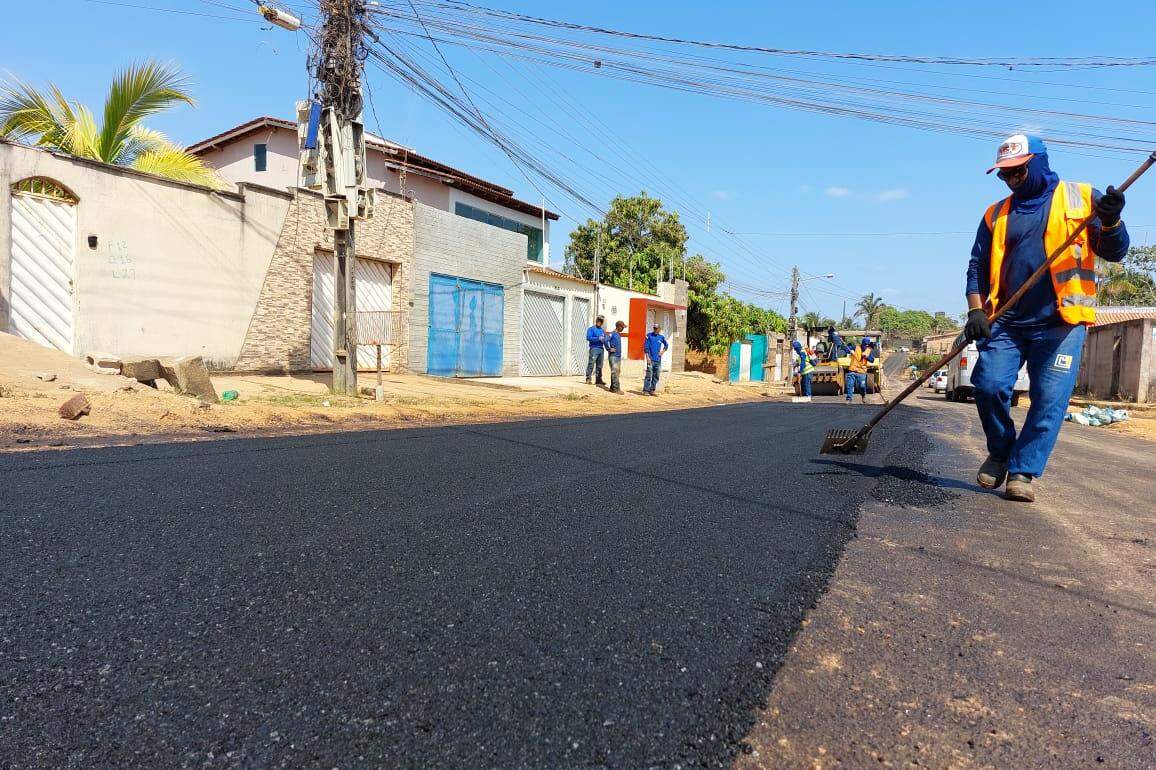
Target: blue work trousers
(594, 364)
(650, 381)
(805, 384)
(1053, 358)
(856, 383)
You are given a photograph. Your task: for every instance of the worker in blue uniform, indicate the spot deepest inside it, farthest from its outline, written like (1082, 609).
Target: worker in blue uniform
(596, 338)
(1047, 327)
(806, 369)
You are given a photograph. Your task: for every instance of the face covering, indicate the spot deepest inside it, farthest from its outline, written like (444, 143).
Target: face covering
(1035, 191)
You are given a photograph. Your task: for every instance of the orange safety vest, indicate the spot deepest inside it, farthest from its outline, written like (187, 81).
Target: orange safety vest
(858, 360)
(1074, 273)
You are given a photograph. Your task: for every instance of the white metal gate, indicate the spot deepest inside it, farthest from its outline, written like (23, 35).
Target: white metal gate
(579, 322)
(543, 335)
(43, 241)
(374, 292)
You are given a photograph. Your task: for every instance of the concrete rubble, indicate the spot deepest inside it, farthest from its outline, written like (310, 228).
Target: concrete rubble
(75, 407)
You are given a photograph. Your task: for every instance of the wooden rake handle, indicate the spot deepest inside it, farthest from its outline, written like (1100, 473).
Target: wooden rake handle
(1011, 301)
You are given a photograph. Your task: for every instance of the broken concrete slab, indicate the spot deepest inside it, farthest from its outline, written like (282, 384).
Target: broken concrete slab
(75, 407)
(141, 369)
(46, 377)
(189, 376)
(102, 363)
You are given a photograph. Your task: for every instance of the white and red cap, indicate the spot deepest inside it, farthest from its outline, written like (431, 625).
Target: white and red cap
(1017, 150)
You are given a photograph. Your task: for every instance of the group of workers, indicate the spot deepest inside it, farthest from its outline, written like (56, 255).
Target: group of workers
(604, 344)
(862, 354)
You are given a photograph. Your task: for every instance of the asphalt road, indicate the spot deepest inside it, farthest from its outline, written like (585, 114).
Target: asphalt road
(606, 592)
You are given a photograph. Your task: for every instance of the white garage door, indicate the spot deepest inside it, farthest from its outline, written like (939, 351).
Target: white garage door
(579, 321)
(374, 292)
(43, 238)
(543, 337)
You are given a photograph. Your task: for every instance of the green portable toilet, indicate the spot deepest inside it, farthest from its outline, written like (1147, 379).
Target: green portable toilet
(758, 356)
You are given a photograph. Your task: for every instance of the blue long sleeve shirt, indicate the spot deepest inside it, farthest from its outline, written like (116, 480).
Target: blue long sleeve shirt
(614, 343)
(1025, 253)
(655, 345)
(596, 336)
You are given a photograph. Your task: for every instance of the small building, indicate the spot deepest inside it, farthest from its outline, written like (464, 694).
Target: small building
(640, 311)
(557, 308)
(938, 344)
(1119, 359)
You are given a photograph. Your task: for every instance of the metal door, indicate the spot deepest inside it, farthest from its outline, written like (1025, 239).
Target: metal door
(321, 316)
(43, 242)
(543, 334)
(374, 292)
(466, 328)
(579, 321)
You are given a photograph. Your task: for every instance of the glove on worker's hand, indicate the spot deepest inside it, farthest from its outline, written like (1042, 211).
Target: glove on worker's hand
(977, 325)
(1110, 205)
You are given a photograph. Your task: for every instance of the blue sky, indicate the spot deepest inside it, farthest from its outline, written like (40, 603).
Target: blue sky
(801, 188)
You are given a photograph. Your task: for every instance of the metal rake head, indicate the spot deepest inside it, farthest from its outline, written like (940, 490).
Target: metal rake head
(845, 441)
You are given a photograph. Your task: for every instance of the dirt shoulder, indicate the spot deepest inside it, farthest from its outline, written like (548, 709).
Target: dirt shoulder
(963, 631)
(35, 381)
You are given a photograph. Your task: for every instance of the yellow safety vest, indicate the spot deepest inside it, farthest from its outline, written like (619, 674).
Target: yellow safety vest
(805, 365)
(858, 360)
(1074, 273)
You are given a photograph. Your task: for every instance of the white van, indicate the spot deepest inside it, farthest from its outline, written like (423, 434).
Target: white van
(958, 385)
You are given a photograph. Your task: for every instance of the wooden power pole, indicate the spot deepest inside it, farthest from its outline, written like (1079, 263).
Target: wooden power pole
(333, 161)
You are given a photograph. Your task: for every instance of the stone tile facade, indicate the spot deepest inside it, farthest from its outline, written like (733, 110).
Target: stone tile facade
(278, 336)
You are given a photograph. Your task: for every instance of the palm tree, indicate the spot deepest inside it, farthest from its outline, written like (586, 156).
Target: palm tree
(48, 119)
(811, 320)
(868, 308)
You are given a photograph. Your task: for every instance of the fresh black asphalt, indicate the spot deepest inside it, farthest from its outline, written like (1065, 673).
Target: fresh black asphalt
(607, 592)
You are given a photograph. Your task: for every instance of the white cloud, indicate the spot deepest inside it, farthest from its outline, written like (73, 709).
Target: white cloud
(722, 195)
(837, 192)
(894, 194)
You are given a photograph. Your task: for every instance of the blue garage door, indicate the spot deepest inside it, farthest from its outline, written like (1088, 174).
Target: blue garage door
(465, 327)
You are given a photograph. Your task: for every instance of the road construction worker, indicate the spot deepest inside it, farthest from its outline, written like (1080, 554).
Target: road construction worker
(614, 353)
(653, 348)
(836, 347)
(806, 369)
(861, 355)
(596, 337)
(1046, 329)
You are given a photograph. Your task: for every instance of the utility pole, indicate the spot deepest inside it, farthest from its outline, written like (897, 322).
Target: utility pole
(333, 160)
(793, 323)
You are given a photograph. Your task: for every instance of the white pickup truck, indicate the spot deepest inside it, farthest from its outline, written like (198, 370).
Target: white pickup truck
(958, 385)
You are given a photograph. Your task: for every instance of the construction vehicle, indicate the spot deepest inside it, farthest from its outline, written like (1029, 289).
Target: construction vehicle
(830, 376)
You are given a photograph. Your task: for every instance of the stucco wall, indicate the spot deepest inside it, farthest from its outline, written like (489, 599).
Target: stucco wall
(452, 245)
(234, 160)
(278, 336)
(177, 269)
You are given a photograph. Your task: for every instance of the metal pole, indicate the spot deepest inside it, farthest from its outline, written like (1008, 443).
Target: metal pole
(793, 323)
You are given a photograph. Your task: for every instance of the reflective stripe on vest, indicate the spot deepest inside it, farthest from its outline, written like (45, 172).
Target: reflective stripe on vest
(1074, 273)
(805, 365)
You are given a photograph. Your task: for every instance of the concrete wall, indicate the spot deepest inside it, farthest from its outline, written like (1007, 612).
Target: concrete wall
(177, 269)
(1133, 345)
(451, 245)
(676, 293)
(278, 336)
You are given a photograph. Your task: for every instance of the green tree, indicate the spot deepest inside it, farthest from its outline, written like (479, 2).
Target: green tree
(868, 308)
(48, 119)
(1130, 282)
(634, 241)
(848, 323)
(703, 279)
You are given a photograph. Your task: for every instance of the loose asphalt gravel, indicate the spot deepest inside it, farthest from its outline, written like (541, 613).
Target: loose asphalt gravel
(604, 592)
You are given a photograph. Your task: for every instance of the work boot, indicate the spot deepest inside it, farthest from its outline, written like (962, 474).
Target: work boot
(992, 473)
(1019, 488)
